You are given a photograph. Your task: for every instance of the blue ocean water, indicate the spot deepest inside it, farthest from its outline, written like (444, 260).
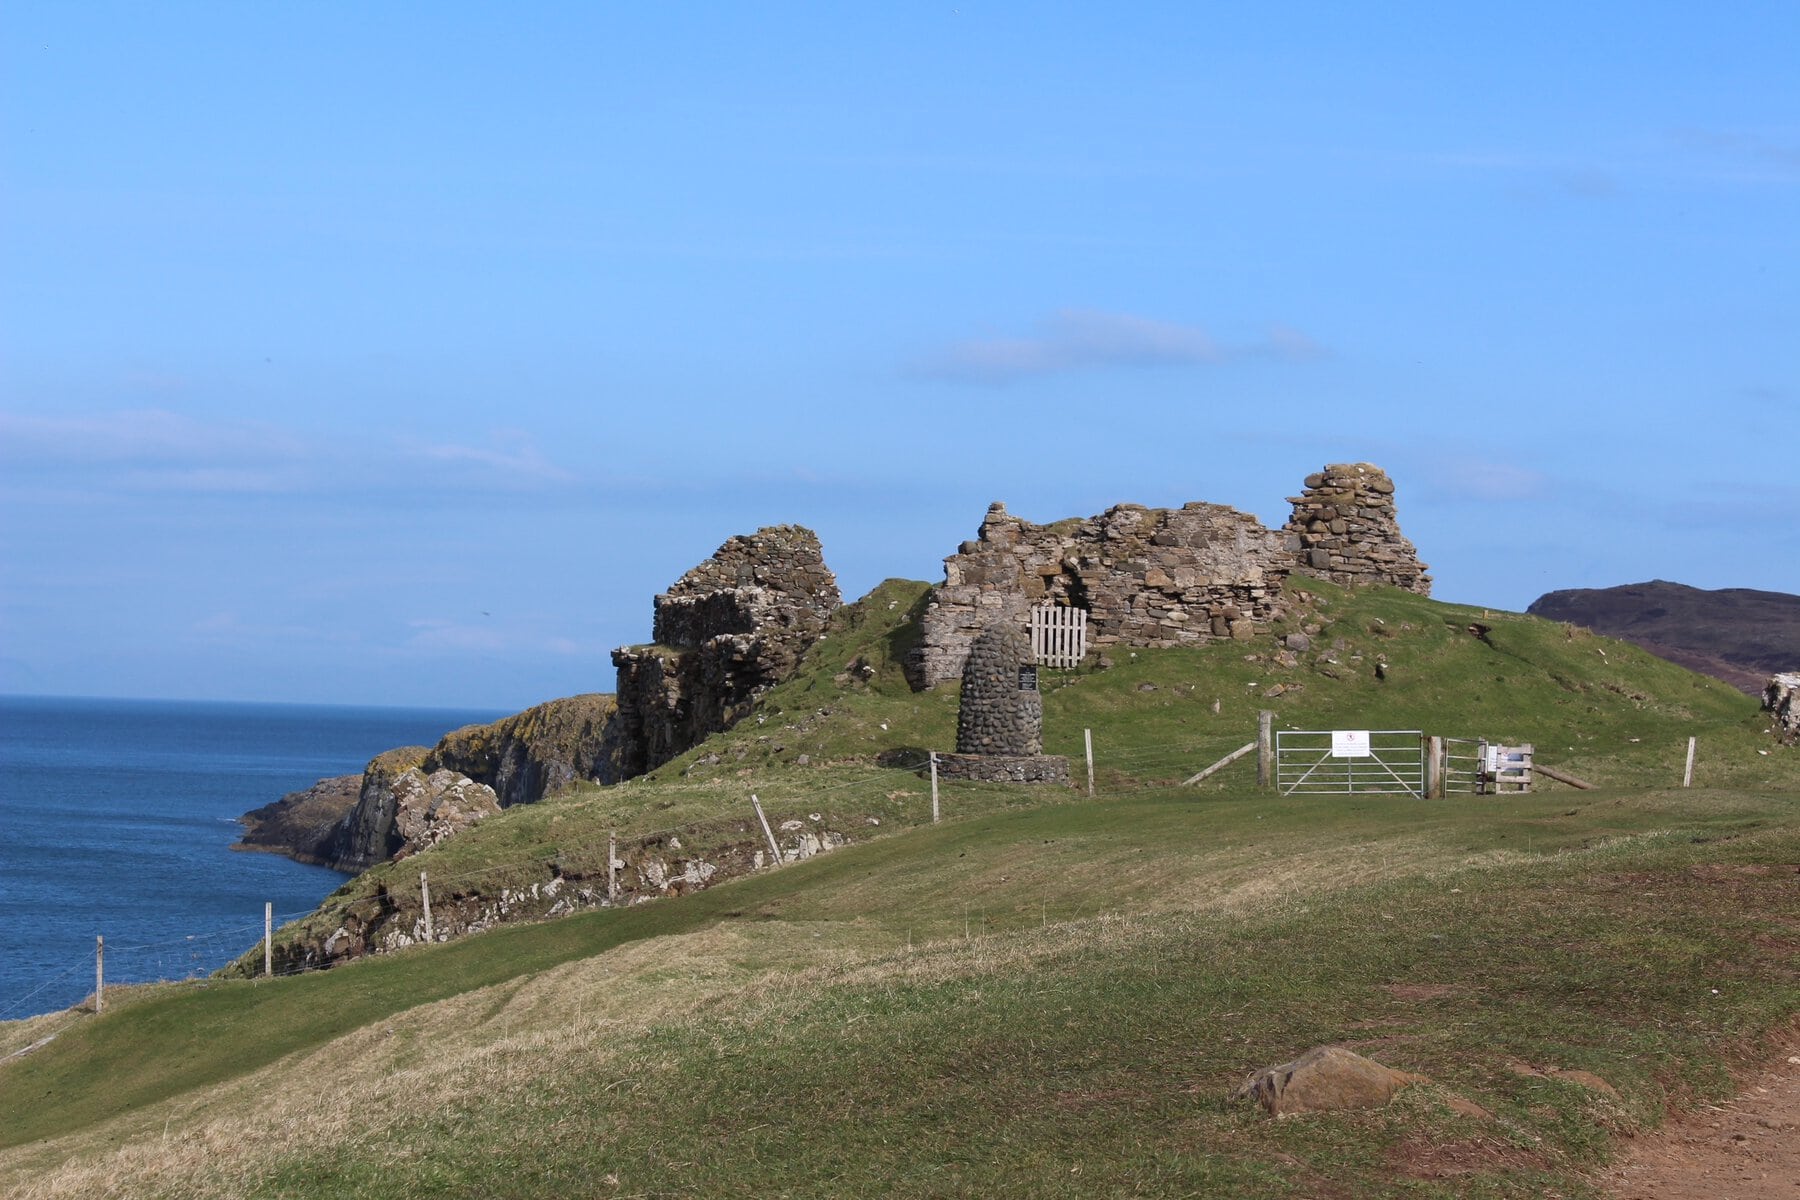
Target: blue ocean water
(117, 817)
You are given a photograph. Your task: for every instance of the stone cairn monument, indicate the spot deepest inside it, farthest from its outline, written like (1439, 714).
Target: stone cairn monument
(1000, 724)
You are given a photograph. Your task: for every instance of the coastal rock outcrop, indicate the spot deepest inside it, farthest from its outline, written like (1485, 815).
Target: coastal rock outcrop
(724, 634)
(365, 836)
(538, 752)
(302, 824)
(431, 807)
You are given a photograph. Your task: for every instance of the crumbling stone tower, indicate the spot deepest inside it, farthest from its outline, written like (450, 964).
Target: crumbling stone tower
(726, 632)
(1345, 530)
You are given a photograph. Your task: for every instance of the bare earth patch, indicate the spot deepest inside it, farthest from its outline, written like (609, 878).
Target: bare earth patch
(1745, 1149)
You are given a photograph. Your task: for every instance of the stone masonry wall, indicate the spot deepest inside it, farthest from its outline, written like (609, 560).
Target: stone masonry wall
(1165, 577)
(1146, 576)
(725, 633)
(1346, 531)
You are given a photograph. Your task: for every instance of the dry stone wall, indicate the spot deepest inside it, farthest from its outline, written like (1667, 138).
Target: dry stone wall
(1345, 531)
(1146, 576)
(725, 633)
(1164, 577)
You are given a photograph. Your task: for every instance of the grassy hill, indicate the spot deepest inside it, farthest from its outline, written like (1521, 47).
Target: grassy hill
(1043, 995)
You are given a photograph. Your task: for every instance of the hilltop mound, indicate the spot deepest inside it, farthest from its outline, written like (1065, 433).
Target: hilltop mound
(1740, 635)
(835, 753)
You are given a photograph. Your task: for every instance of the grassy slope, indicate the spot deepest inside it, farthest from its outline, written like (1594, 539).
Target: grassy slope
(1602, 709)
(1085, 980)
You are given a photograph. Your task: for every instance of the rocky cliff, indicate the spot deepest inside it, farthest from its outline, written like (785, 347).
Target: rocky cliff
(302, 824)
(365, 836)
(725, 633)
(354, 821)
(538, 752)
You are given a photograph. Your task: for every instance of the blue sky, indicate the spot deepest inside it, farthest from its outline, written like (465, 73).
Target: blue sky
(400, 353)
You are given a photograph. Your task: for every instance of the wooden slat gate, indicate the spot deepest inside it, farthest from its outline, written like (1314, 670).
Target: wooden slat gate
(1058, 635)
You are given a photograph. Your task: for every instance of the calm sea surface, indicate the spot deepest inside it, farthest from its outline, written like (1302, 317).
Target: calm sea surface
(116, 818)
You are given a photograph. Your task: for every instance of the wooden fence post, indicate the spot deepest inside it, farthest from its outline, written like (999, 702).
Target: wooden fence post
(99, 973)
(1434, 767)
(425, 895)
(1087, 741)
(268, 938)
(767, 832)
(1242, 750)
(612, 870)
(934, 792)
(1687, 776)
(1265, 749)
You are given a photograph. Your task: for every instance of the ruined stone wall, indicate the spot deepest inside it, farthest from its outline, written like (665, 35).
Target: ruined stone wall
(1146, 576)
(1345, 530)
(1165, 577)
(725, 633)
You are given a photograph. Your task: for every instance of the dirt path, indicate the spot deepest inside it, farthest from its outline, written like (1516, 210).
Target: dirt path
(1745, 1149)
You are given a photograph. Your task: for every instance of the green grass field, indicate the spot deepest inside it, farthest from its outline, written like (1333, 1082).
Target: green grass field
(1045, 995)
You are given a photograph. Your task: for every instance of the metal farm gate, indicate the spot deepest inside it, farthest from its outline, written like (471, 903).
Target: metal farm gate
(1462, 766)
(1340, 761)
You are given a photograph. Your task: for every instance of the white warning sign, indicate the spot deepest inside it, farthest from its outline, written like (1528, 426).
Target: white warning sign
(1349, 743)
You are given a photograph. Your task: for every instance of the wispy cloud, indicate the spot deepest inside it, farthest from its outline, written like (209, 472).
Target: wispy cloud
(1755, 148)
(1486, 482)
(1084, 339)
(155, 450)
(140, 437)
(513, 456)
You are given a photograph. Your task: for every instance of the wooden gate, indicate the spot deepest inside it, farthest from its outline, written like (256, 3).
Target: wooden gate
(1058, 635)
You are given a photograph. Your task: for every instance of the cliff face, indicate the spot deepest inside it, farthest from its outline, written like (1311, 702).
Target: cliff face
(725, 633)
(355, 821)
(533, 754)
(302, 824)
(366, 835)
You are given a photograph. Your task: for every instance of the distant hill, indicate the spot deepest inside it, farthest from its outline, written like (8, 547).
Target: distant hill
(1739, 635)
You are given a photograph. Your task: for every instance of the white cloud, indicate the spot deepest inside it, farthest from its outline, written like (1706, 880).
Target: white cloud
(1085, 339)
(138, 437)
(136, 451)
(513, 456)
(1488, 482)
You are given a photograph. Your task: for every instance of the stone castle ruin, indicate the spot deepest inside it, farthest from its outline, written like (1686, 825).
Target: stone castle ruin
(725, 633)
(1159, 577)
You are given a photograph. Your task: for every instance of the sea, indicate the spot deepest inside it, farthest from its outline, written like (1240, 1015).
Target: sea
(117, 819)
